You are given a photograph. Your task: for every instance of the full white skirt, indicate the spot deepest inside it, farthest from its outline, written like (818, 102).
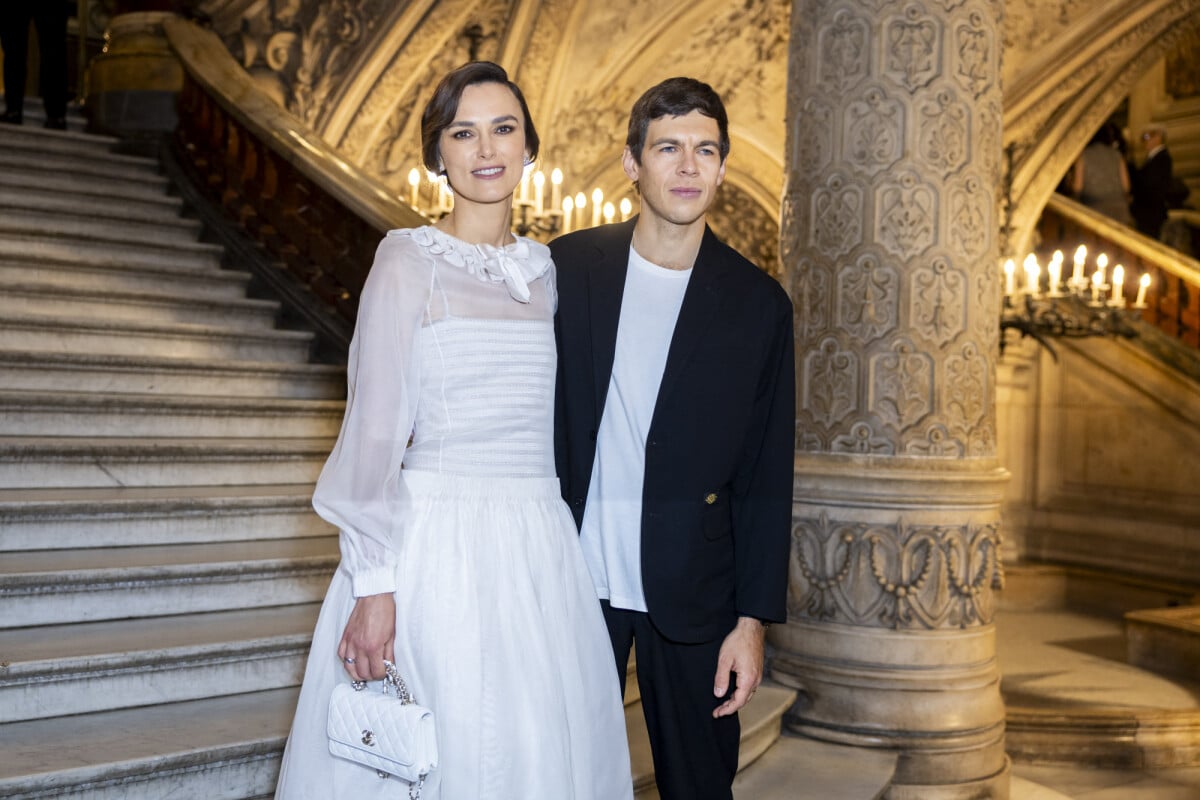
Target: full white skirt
(499, 631)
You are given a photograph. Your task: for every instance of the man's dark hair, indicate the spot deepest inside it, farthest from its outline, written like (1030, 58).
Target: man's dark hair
(675, 97)
(443, 106)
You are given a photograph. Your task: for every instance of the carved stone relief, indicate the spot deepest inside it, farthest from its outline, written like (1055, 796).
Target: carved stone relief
(900, 576)
(868, 297)
(1183, 68)
(913, 48)
(299, 51)
(747, 227)
(830, 382)
(901, 385)
(900, 220)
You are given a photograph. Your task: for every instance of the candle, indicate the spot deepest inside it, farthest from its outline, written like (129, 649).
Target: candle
(1080, 260)
(1101, 265)
(1118, 286)
(1032, 271)
(597, 206)
(626, 208)
(1055, 270)
(539, 192)
(414, 186)
(556, 188)
(568, 205)
(1143, 285)
(525, 183)
(1010, 272)
(610, 211)
(1097, 282)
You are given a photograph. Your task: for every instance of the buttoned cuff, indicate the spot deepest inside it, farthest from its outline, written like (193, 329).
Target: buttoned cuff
(379, 580)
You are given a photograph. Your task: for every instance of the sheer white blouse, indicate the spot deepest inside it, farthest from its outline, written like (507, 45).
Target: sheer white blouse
(454, 348)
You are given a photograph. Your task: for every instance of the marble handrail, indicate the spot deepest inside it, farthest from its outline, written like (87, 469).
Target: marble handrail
(312, 212)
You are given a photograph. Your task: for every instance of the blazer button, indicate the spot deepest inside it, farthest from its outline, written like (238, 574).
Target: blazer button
(592, 435)
(710, 498)
(577, 502)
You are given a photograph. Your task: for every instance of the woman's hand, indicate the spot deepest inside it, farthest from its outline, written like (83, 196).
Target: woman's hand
(370, 637)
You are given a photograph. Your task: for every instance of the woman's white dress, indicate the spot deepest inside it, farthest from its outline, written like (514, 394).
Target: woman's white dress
(498, 629)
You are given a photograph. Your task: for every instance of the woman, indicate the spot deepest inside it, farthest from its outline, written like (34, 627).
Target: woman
(1100, 179)
(465, 563)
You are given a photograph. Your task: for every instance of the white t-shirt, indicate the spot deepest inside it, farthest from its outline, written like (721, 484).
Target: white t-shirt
(611, 534)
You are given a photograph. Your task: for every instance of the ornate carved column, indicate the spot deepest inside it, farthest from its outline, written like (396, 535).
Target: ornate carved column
(889, 250)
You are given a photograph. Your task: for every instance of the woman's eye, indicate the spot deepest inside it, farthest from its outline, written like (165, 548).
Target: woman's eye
(462, 134)
(505, 129)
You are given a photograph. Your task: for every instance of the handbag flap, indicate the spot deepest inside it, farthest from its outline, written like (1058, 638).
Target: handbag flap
(381, 728)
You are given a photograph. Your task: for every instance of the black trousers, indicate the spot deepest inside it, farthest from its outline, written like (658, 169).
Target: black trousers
(50, 19)
(695, 756)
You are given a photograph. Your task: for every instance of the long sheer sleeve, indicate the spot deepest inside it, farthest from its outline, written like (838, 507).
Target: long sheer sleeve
(361, 489)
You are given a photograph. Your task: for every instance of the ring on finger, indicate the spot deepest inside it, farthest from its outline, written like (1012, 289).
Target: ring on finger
(348, 660)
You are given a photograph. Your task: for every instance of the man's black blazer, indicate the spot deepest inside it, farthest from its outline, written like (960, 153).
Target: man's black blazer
(1151, 186)
(717, 493)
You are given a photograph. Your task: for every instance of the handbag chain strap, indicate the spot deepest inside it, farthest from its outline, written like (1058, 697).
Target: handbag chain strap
(405, 697)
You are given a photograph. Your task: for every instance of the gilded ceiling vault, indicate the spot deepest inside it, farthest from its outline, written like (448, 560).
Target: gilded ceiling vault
(359, 71)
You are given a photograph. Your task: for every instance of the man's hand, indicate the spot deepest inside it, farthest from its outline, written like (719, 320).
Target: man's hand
(370, 637)
(742, 654)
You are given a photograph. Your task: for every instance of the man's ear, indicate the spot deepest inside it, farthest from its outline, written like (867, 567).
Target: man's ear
(630, 164)
(721, 174)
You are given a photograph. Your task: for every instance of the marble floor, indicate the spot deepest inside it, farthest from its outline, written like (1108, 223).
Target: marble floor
(1069, 659)
(1048, 659)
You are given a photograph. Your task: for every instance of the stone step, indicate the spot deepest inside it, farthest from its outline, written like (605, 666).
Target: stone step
(79, 462)
(96, 414)
(795, 768)
(56, 670)
(159, 306)
(116, 276)
(183, 750)
(23, 220)
(55, 587)
(71, 518)
(70, 186)
(100, 171)
(70, 247)
(70, 141)
(49, 151)
(761, 721)
(224, 748)
(52, 372)
(157, 210)
(54, 334)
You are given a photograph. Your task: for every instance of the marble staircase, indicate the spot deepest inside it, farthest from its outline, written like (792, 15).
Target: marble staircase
(160, 566)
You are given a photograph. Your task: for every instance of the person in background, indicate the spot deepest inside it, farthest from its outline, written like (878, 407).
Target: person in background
(50, 19)
(1152, 183)
(1100, 178)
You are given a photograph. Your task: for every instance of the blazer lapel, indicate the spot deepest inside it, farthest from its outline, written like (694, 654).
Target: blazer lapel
(701, 301)
(606, 284)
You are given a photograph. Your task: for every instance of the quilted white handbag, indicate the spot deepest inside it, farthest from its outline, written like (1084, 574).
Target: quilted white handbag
(392, 735)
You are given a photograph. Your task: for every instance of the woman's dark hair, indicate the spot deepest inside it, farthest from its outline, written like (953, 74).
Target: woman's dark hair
(675, 97)
(443, 106)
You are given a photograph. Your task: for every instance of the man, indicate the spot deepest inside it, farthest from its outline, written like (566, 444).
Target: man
(50, 19)
(674, 439)
(1152, 183)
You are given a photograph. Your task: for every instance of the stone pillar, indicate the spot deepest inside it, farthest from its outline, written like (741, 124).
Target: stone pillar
(889, 246)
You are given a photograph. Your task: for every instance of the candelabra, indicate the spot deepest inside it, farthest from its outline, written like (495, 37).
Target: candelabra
(537, 213)
(1073, 308)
